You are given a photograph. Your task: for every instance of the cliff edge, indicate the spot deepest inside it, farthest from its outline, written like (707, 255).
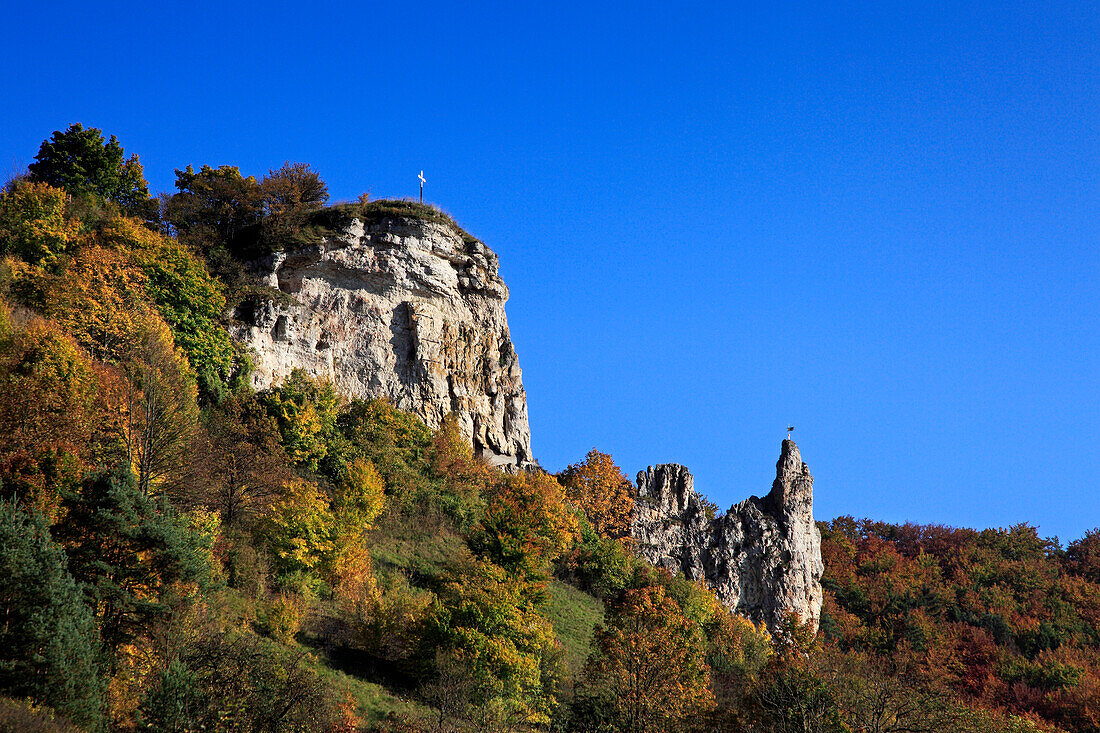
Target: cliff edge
(402, 308)
(762, 558)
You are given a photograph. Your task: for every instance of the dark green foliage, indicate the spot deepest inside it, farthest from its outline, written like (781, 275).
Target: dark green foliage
(396, 442)
(796, 700)
(81, 162)
(216, 210)
(129, 549)
(173, 703)
(49, 645)
(599, 565)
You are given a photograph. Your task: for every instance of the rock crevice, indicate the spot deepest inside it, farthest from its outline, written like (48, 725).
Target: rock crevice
(762, 558)
(404, 309)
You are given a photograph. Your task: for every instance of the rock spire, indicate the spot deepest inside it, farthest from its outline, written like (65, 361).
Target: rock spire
(762, 558)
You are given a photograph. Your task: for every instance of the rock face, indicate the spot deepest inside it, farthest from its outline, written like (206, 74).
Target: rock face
(762, 558)
(405, 309)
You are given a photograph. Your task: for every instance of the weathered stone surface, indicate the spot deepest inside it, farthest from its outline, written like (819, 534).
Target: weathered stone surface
(762, 558)
(403, 309)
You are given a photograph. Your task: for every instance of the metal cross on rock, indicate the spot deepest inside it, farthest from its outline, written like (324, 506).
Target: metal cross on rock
(422, 182)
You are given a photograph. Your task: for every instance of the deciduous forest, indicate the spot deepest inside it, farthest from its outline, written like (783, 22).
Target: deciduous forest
(183, 553)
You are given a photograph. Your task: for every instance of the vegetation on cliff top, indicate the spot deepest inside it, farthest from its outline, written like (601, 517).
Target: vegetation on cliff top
(183, 553)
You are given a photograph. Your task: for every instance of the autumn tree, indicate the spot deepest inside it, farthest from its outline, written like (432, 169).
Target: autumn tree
(160, 411)
(47, 413)
(602, 491)
(648, 672)
(305, 410)
(99, 300)
(34, 224)
(80, 161)
(1083, 556)
(525, 525)
(466, 477)
(292, 188)
(300, 529)
(238, 466)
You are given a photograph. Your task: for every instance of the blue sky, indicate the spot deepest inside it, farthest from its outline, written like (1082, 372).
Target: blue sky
(874, 220)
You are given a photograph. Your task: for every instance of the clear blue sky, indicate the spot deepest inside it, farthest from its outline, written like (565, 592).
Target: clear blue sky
(877, 221)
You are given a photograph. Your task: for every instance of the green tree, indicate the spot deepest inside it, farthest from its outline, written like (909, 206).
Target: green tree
(136, 555)
(189, 299)
(305, 410)
(240, 682)
(49, 645)
(215, 207)
(80, 161)
(487, 619)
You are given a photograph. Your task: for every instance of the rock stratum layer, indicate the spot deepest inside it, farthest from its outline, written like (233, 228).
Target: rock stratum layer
(406, 309)
(762, 558)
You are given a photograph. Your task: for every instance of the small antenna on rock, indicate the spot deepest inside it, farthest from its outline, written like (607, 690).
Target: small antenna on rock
(790, 429)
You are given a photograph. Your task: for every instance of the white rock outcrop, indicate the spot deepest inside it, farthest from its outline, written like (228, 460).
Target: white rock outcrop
(762, 558)
(401, 308)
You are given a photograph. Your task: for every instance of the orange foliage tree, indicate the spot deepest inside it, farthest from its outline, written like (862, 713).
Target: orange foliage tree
(526, 524)
(648, 673)
(47, 393)
(599, 488)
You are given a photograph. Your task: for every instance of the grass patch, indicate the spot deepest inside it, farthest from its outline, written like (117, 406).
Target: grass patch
(574, 615)
(420, 549)
(333, 217)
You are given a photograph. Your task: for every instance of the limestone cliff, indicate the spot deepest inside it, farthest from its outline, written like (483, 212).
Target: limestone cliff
(762, 558)
(402, 308)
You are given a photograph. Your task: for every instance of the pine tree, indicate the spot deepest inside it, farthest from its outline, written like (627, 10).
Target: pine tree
(49, 645)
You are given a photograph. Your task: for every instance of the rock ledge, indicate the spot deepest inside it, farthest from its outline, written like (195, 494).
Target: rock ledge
(400, 308)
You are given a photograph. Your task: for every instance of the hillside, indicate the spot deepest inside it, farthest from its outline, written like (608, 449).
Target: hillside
(194, 539)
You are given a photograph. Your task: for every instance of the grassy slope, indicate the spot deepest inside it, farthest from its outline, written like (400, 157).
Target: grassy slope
(574, 614)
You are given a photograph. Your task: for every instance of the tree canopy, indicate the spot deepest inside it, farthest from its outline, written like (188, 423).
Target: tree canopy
(80, 161)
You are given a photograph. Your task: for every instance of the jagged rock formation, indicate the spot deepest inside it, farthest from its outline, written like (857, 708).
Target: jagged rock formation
(762, 558)
(402, 308)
